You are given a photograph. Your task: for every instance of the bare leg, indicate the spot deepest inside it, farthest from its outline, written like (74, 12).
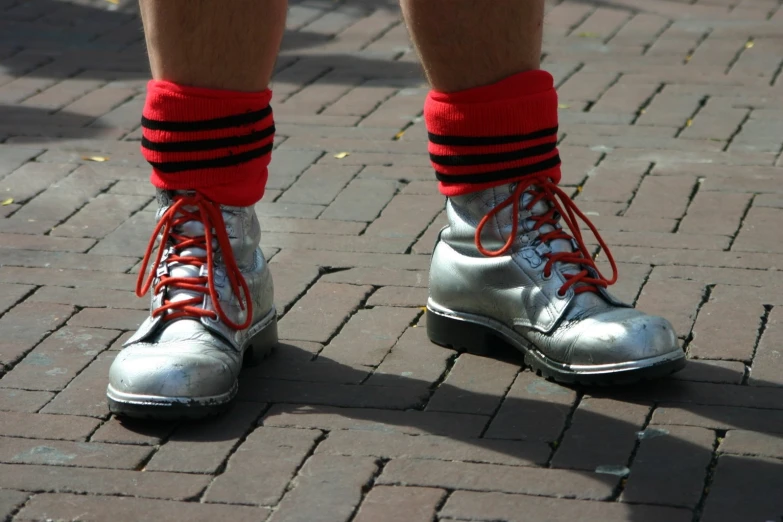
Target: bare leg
(470, 43)
(218, 45)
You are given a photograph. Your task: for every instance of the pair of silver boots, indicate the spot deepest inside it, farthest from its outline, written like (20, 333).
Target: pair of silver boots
(504, 269)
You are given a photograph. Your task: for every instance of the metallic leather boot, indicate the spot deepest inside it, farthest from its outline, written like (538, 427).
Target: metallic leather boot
(212, 309)
(504, 268)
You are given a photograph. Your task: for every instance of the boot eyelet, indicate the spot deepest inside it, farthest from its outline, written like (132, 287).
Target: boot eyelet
(561, 295)
(547, 277)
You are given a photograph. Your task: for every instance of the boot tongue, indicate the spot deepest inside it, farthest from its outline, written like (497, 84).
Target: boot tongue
(192, 228)
(556, 245)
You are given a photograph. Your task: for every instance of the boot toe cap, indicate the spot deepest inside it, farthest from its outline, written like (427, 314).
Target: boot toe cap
(160, 373)
(619, 336)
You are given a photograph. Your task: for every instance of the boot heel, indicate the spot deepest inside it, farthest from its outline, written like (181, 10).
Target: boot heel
(458, 334)
(261, 345)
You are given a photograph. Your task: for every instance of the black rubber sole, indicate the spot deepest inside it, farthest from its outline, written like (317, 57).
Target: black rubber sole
(259, 348)
(479, 339)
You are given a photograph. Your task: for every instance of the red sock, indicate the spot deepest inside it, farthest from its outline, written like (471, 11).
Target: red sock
(214, 141)
(493, 135)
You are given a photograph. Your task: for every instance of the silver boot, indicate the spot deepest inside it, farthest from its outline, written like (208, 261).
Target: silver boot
(505, 268)
(212, 309)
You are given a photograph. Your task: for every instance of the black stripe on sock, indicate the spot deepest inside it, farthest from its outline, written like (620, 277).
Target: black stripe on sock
(500, 175)
(479, 141)
(466, 160)
(202, 145)
(170, 167)
(236, 120)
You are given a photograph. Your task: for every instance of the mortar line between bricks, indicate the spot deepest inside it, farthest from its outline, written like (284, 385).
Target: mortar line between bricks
(397, 90)
(646, 280)
(409, 250)
(221, 468)
(59, 80)
(619, 28)
(555, 445)
(21, 299)
(705, 297)
(699, 509)
(450, 362)
(500, 403)
(10, 366)
(441, 504)
(412, 324)
(762, 328)
(19, 509)
(646, 103)
(706, 34)
(611, 84)
(397, 191)
(362, 305)
(24, 202)
(741, 223)
(306, 84)
(580, 21)
(577, 191)
(647, 172)
(321, 272)
(737, 130)
(32, 159)
(777, 72)
(689, 120)
(629, 464)
(380, 464)
(695, 190)
(663, 29)
(380, 35)
(737, 56)
(78, 208)
(579, 67)
(290, 485)
(111, 107)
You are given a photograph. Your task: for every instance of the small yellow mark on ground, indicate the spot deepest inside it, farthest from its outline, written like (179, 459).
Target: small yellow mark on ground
(99, 159)
(341, 155)
(399, 135)
(749, 44)
(689, 122)
(563, 106)
(589, 35)
(6, 202)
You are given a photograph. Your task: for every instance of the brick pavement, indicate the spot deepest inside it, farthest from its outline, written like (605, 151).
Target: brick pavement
(672, 129)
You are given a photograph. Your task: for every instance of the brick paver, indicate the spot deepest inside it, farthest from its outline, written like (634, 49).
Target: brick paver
(671, 125)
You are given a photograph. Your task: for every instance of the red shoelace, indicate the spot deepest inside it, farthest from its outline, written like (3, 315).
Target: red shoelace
(561, 207)
(209, 214)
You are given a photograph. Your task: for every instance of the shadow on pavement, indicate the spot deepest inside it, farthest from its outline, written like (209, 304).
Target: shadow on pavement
(669, 463)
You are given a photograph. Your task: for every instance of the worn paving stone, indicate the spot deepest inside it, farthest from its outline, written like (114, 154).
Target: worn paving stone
(41, 426)
(281, 451)
(79, 454)
(415, 422)
(489, 477)
(469, 505)
(51, 365)
(327, 488)
(58, 479)
(10, 501)
(321, 311)
(386, 504)
(670, 466)
(390, 445)
(744, 480)
(533, 409)
(602, 433)
(474, 385)
(107, 509)
(203, 448)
